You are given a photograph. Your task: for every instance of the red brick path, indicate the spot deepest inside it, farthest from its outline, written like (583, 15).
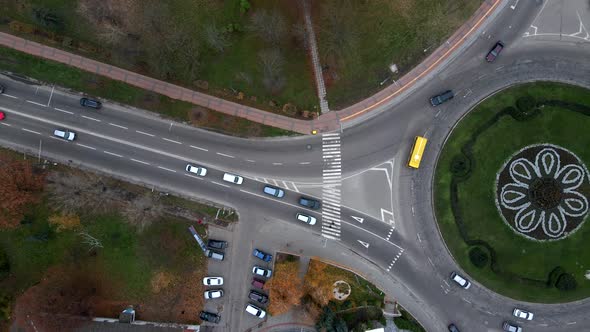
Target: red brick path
(326, 122)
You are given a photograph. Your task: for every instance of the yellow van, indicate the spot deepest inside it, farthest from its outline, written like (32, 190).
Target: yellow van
(417, 151)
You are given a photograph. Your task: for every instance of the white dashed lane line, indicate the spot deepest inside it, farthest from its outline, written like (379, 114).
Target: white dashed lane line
(86, 146)
(144, 133)
(171, 141)
(89, 118)
(31, 131)
(6, 124)
(36, 103)
(9, 96)
(63, 111)
(225, 155)
(277, 164)
(113, 154)
(250, 161)
(139, 161)
(167, 169)
(220, 184)
(116, 125)
(194, 177)
(304, 163)
(198, 148)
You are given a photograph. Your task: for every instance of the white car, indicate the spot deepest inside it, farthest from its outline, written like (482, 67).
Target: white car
(306, 219)
(213, 281)
(235, 179)
(64, 134)
(523, 314)
(260, 271)
(255, 311)
(460, 280)
(200, 171)
(213, 294)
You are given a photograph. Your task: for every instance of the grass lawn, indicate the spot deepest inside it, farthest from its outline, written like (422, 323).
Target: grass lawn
(137, 48)
(515, 255)
(372, 35)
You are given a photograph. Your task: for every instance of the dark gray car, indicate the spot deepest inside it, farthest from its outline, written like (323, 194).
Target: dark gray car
(441, 98)
(258, 297)
(92, 103)
(216, 244)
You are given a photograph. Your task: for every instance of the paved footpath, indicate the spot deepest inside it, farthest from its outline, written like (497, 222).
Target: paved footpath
(329, 121)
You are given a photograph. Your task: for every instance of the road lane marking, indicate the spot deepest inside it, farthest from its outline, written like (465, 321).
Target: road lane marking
(250, 161)
(375, 235)
(144, 133)
(31, 131)
(167, 169)
(194, 177)
(63, 111)
(116, 125)
(139, 161)
(89, 118)
(571, 323)
(9, 96)
(224, 155)
(365, 244)
(36, 103)
(359, 219)
(172, 141)
(198, 148)
(113, 154)
(304, 163)
(220, 184)
(277, 164)
(6, 124)
(466, 300)
(86, 146)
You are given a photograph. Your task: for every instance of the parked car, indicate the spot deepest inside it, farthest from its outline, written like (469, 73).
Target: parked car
(2, 116)
(441, 98)
(306, 219)
(523, 314)
(254, 310)
(2, 88)
(217, 255)
(235, 179)
(274, 191)
(216, 244)
(510, 327)
(92, 103)
(460, 280)
(209, 317)
(257, 283)
(64, 134)
(262, 255)
(309, 202)
(213, 281)
(260, 271)
(258, 297)
(494, 52)
(198, 170)
(213, 294)
(453, 328)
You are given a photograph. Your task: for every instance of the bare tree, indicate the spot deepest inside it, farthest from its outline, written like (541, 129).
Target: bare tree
(215, 37)
(143, 210)
(272, 62)
(300, 34)
(92, 242)
(338, 36)
(81, 192)
(270, 26)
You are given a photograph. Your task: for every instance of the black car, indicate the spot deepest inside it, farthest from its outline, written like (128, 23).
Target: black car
(453, 328)
(2, 88)
(92, 103)
(441, 98)
(216, 244)
(258, 297)
(209, 317)
(309, 202)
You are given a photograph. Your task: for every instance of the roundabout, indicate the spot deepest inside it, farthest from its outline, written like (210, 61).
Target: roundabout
(511, 192)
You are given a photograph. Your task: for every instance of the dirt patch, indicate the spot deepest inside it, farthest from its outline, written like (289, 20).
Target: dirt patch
(161, 281)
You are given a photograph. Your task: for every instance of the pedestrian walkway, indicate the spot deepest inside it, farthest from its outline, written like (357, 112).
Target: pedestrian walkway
(329, 121)
(315, 58)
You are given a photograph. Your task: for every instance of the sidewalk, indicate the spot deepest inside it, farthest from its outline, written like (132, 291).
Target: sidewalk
(329, 121)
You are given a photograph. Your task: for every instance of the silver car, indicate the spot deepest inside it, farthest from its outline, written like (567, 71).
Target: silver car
(200, 171)
(64, 134)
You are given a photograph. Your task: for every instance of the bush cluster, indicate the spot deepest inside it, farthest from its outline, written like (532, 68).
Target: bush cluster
(479, 258)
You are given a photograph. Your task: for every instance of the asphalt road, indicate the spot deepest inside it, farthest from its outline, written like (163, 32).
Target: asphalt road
(408, 260)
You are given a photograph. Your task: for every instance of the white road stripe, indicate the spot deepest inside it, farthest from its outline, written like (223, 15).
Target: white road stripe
(31, 131)
(330, 200)
(305, 163)
(328, 236)
(6, 124)
(86, 146)
(294, 186)
(224, 155)
(167, 169)
(328, 231)
(113, 154)
(116, 125)
(139, 161)
(63, 111)
(36, 103)
(172, 141)
(250, 161)
(194, 177)
(89, 118)
(144, 133)
(330, 145)
(275, 182)
(198, 148)
(220, 184)
(9, 96)
(277, 164)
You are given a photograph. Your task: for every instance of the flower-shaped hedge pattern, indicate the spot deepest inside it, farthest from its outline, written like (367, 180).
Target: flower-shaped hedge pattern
(542, 192)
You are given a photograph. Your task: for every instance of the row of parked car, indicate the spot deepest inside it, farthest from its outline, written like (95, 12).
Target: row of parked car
(255, 295)
(506, 325)
(214, 251)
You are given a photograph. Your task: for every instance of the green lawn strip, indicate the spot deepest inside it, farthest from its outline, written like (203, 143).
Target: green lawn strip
(363, 293)
(56, 73)
(515, 254)
(389, 32)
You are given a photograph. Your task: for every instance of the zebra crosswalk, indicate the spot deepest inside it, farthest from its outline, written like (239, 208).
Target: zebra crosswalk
(331, 182)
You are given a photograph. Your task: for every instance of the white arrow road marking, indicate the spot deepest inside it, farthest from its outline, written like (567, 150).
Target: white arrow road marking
(365, 244)
(359, 219)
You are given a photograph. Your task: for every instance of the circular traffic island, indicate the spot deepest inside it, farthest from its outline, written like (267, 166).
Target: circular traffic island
(512, 192)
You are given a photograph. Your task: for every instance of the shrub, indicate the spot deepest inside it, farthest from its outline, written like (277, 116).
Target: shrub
(526, 107)
(479, 257)
(566, 282)
(4, 265)
(460, 165)
(554, 275)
